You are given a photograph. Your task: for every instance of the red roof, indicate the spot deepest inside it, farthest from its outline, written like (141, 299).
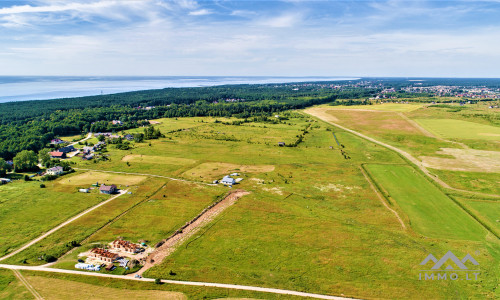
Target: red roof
(56, 153)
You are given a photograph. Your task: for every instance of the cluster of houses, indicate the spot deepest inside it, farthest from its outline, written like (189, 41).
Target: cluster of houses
(88, 152)
(103, 189)
(108, 135)
(117, 249)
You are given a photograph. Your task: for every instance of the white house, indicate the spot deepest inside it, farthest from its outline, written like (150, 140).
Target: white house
(55, 171)
(228, 180)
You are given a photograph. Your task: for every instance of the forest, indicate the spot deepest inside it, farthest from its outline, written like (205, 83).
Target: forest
(30, 125)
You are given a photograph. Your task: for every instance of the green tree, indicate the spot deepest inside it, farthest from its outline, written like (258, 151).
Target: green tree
(44, 156)
(4, 167)
(25, 160)
(101, 138)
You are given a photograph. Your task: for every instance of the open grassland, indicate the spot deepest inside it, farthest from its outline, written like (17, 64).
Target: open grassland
(189, 292)
(87, 178)
(11, 287)
(488, 183)
(59, 289)
(431, 212)
(459, 129)
(314, 224)
(162, 214)
(26, 210)
(396, 107)
(56, 244)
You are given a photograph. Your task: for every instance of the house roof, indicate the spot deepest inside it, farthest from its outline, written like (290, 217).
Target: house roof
(103, 253)
(107, 188)
(55, 169)
(56, 153)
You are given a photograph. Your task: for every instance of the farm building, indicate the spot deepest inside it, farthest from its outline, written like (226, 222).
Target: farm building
(107, 189)
(84, 190)
(58, 170)
(228, 180)
(57, 154)
(121, 245)
(103, 255)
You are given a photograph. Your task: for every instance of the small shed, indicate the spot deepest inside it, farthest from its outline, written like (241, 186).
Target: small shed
(84, 190)
(281, 144)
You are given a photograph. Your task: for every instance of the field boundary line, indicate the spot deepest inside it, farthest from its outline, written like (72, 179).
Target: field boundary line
(179, 282)
(41, 237)
(28, 286)
(381, 197)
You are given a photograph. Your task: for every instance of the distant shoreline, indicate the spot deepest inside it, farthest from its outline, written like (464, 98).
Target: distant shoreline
(26, 88)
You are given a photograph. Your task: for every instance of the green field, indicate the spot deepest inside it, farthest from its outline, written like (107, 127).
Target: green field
(26, 210)
(489, 210)
(459, 129)
(11, 287)
(431, 212)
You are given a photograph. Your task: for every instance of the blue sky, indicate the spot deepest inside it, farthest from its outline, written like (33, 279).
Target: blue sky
(282, 38)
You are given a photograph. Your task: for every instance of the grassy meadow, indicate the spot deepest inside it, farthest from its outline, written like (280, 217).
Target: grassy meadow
(458, 129)
(26, 210)
(11, 287)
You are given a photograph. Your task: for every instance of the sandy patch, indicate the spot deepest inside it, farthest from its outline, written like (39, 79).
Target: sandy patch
(214, 170)
(469, 160)
(150, 159)
(154, 122)
(274, 190)
(91, 177)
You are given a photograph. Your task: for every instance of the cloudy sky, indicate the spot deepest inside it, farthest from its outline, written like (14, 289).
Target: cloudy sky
(282, 38)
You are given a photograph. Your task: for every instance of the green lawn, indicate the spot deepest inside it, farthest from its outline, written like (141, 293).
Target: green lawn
(431, 212)
(459, 129)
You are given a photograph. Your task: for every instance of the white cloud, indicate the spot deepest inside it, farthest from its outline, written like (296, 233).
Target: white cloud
(282, 21)
(200, 12)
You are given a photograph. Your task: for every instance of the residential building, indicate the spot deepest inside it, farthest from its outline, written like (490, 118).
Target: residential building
(67, 149)
(57, 142)
(58, 170)
(126, 246)
(103, 254)
(107, 189)
(228, 180)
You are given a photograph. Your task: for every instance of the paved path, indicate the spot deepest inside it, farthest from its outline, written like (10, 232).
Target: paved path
(142, 174)
(61, 226)
(192, 283)
(323, 116)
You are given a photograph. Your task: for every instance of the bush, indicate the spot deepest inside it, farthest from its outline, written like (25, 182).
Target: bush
(157, 281)
(42, 186)
(27, 178)
(50, 258)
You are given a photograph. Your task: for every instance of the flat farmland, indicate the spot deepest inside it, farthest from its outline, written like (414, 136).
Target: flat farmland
(26, 210)
(395, 107)
(489, 211)
(430, 211)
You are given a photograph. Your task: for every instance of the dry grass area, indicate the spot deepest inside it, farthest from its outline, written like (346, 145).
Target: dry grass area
(91, 177)
(150, 159)
(52, 288)
(214, 170)
(469, 160)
